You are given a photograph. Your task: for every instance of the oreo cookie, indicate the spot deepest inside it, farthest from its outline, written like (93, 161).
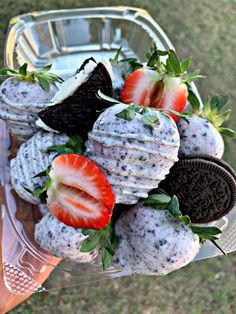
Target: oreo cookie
(204, 185)
(218, 161)
(77, 113)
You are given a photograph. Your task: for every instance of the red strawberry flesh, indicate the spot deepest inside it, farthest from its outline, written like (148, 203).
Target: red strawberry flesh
(174, 96)
(139, 87)
(145, 87)
(80, 195)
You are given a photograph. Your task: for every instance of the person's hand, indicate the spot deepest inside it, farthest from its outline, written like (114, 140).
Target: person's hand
(25, 216)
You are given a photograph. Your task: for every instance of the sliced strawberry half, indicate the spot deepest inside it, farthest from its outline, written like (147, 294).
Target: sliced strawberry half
(175, 95)
(145, 87)
(79, 195)
(142, 87)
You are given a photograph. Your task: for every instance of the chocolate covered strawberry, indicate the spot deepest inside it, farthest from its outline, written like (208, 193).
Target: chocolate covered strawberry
(135, 147)
(23, 95)
(156, 239)
(160, 85)
(202, 135)
(79, 194)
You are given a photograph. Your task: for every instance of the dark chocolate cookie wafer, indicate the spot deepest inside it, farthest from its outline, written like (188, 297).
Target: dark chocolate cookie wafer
(206, 188)
(78, 112)
(216, 160)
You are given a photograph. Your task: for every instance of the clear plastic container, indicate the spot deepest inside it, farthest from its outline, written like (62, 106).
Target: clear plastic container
(64, 39)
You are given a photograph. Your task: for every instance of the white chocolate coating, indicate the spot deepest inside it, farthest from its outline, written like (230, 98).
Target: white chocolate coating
(133, 156)
(153, 242)
(61, 240)
(199, 137)
(32, 158)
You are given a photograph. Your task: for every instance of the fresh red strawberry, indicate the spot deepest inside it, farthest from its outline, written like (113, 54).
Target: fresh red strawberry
(174, 97)
(142, 87)
(79, 195)
(145, 87)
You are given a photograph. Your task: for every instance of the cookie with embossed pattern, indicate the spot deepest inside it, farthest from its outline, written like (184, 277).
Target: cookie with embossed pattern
(205, 186)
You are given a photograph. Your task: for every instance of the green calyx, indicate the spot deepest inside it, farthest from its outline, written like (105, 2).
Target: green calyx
(162, 201)
(103, 239)
(41, 191)
(212, 111)
(131, 110)
(171, 67)
(73, 146)
(42, 76)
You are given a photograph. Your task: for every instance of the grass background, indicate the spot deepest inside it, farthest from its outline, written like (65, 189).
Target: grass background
(205, 30)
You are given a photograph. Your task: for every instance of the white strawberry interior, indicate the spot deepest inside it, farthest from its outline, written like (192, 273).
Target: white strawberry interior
(76, 202)
(78, 179)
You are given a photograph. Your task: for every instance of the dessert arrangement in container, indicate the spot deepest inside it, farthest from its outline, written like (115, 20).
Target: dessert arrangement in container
(116, 164)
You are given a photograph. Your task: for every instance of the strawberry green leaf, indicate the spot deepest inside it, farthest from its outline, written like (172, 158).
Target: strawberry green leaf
(138, 109)
(221, 118)
(173, 206)
(157, 201)
(185, 219)
(73, 146)
(174, 62)
(6, 72)
(208, 233)
(46, 68)
(50, 77)
(227, 132)
(90, 243)
(43, 83)
(133, 64)
(182, 115)
(105, 239)
(43, 77)
(43, 173)
(162, 52)
(44, 188)
(217, 102)
(185, 64)
(162, 201)
(107, 258)
(194, 101)
(126, 114)
(90, 232)
(192, 76)
(153, 59)
(76, 144)
(23, 69)
(218, 247)
(149, 120)
(206, 109)
(117, 55)
(206, 230)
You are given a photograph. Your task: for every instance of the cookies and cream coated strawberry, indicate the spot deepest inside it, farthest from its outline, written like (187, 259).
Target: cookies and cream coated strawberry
(61, 240)
(32, 158)
(134, 157)
(199, 136)
(20, 101)
(153, 242)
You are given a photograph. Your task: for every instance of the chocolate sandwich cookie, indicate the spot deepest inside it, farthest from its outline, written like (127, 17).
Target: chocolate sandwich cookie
(204, 185)
(78, 112)
(218, 161)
